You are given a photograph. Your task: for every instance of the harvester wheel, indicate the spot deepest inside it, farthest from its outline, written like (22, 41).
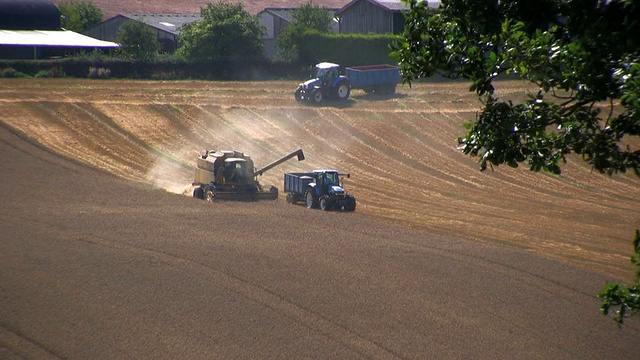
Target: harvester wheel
(324, 203)
(311, 200)
(198, 193)
(343, 90)
(210, 194)
(316, 96)
(274, 193)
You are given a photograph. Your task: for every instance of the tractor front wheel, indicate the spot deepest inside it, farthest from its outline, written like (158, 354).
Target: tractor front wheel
(351, 204)
(324, 203)
(316, 96)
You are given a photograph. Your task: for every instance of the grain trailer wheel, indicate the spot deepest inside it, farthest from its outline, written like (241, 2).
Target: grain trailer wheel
(310, 199)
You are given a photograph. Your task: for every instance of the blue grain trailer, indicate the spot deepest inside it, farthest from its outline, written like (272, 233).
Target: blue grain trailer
(379, 79)
(318, 189)
(329, 84)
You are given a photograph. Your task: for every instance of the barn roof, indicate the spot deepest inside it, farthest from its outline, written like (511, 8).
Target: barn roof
(167, 22)
(111, 8)
(390, 5)
(57, 38)
(283, 13)
(29, 15)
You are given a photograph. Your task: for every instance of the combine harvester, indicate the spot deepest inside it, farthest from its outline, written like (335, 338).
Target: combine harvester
(319, 189)
(230, 175)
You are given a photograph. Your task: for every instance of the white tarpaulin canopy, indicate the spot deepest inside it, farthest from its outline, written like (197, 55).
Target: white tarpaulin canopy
(59, 38)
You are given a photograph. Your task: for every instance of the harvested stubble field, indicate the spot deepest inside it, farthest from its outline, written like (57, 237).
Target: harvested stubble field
(439, 260)
(400, 150)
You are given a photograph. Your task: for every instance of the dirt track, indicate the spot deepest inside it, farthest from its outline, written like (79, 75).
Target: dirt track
(100, 256)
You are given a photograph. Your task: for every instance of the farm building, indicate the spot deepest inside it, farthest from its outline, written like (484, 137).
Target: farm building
(275, 20)
(167, 27)
(30, 29)
(375, 16)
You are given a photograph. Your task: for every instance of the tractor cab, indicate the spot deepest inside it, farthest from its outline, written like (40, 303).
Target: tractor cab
(327, 72)
(328, 182)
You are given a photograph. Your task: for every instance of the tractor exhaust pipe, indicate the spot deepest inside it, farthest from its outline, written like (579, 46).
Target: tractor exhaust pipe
(297, 153)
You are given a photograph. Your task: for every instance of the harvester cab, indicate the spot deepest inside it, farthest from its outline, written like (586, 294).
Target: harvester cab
(230, 175)
(236, 171)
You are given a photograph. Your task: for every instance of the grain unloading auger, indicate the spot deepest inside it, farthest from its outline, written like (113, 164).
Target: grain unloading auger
(230, 175)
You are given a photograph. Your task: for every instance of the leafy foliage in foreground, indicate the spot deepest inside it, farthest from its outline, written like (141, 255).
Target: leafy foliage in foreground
(583, 56)
(622, 299)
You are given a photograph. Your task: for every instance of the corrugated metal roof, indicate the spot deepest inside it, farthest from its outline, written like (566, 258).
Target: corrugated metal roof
(392, 5)
(283, 13)
(167, 22)
(61, 38)
(287, 13)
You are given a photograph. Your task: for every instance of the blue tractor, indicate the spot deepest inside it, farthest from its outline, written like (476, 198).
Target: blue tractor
(318, 189)
(327, 84)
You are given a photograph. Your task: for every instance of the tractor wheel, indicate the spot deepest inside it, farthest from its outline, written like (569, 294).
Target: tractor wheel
(343, 90)
(299, 95)
(324, 203)
(316, 96)
(210, 194)
(198, 193)
(351, 204)
(311, 200)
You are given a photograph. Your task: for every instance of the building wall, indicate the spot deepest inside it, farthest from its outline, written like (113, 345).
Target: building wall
(108, 30)
(267, 20)
(274, 26)
(364, 17)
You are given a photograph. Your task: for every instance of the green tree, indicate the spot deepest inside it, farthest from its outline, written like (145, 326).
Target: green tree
(226, 31)
(138, 41)
(305, 18)
(582, 56)
(79, 15)
(623, 299)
